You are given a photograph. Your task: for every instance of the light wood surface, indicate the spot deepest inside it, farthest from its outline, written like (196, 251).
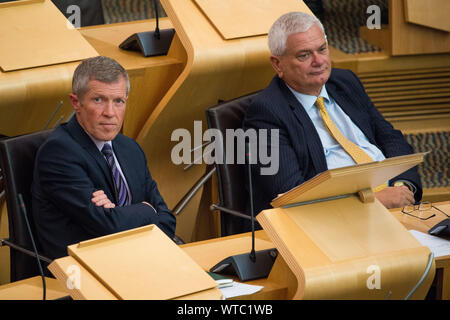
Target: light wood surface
(348, 180)
(442, 263)
(206, 253)
(44, 37)
(31, 289)
(322, 241)
(30, 96)
(238, 19)
(431, 13)
(89, 288)
(405, 38)
(281, 283)
(130, 268)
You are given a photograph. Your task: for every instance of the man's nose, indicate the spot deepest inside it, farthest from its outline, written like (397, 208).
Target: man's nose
(318, 58)
(108, 110)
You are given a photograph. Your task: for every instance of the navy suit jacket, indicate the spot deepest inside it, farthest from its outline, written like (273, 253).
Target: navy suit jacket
(301, 152)
(68, 169)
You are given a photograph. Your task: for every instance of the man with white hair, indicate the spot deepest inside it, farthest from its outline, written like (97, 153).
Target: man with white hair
(324, 117)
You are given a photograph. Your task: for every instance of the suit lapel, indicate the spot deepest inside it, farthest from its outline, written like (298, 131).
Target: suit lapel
(349, 107)
(313, 142)
(77, 132)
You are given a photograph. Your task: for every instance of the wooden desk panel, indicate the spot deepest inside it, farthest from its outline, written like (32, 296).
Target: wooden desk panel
(442, 278)
(280, 284)
(31, 289)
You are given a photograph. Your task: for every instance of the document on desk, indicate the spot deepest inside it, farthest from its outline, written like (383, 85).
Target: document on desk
(440, 247)
(239, 289)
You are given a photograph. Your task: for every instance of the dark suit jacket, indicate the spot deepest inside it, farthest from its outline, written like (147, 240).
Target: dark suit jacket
(68, 169)
(300, 149)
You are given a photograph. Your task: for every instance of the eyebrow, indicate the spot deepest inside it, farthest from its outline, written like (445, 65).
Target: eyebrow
(309, 50)
(113, 98)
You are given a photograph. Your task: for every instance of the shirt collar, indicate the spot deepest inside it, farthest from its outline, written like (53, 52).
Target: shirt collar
(307, 100)
(98, 143)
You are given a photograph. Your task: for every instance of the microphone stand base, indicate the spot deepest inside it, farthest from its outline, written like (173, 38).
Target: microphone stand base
(148, 44)
(242, 266)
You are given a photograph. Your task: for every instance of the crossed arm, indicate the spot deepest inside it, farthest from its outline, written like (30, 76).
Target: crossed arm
(100, 199)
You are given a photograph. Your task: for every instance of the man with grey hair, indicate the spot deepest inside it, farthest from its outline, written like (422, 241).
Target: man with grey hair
(90, 180)
(324, 116)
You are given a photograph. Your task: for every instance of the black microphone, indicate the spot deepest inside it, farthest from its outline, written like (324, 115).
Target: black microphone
(253, 265)
(24, 211)
(150, 43)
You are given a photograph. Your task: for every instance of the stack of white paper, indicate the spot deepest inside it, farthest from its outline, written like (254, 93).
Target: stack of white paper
(440, 247)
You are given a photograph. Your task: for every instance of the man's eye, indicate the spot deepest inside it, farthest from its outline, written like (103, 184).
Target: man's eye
(303, 56)
(98, 99)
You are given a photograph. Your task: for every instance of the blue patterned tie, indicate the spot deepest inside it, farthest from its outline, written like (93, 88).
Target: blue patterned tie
(121, 189)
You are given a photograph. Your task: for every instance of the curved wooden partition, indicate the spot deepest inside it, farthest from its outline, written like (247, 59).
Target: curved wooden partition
(345, 249)
(36, 64)
(216, 69)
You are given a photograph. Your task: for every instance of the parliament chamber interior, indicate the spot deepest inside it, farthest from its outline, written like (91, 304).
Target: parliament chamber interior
(399, 49)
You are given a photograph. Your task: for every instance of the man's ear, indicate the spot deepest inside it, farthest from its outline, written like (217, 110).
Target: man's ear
(75, 101)
(276, 65)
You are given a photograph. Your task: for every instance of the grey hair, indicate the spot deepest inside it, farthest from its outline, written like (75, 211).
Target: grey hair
(287, 24)
(98, 68)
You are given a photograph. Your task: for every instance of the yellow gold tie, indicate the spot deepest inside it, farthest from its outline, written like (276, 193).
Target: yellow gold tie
(357, 154)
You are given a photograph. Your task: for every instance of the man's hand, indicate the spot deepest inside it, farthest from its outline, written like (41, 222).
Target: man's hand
(101, 200)
(395, 197)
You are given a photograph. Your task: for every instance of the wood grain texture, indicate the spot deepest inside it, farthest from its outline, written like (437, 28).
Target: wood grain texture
(348, 180)
(141, 263)
(331, 246)
(431, 13)
(31, 289)
(238, 19)
(33, 43)
(216, 69)
(407, 38)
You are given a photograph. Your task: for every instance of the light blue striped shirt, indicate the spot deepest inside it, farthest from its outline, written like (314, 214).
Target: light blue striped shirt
(335, 155)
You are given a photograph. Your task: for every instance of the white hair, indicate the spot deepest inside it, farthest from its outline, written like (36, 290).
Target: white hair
(287, 24)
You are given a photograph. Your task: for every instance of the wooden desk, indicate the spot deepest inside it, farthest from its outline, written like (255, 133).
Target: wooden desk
(280, 284)
(31, 289)
(442, 279)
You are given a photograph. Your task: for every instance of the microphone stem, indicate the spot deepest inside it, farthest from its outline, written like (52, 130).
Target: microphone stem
(252, 253)
(157, 35)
